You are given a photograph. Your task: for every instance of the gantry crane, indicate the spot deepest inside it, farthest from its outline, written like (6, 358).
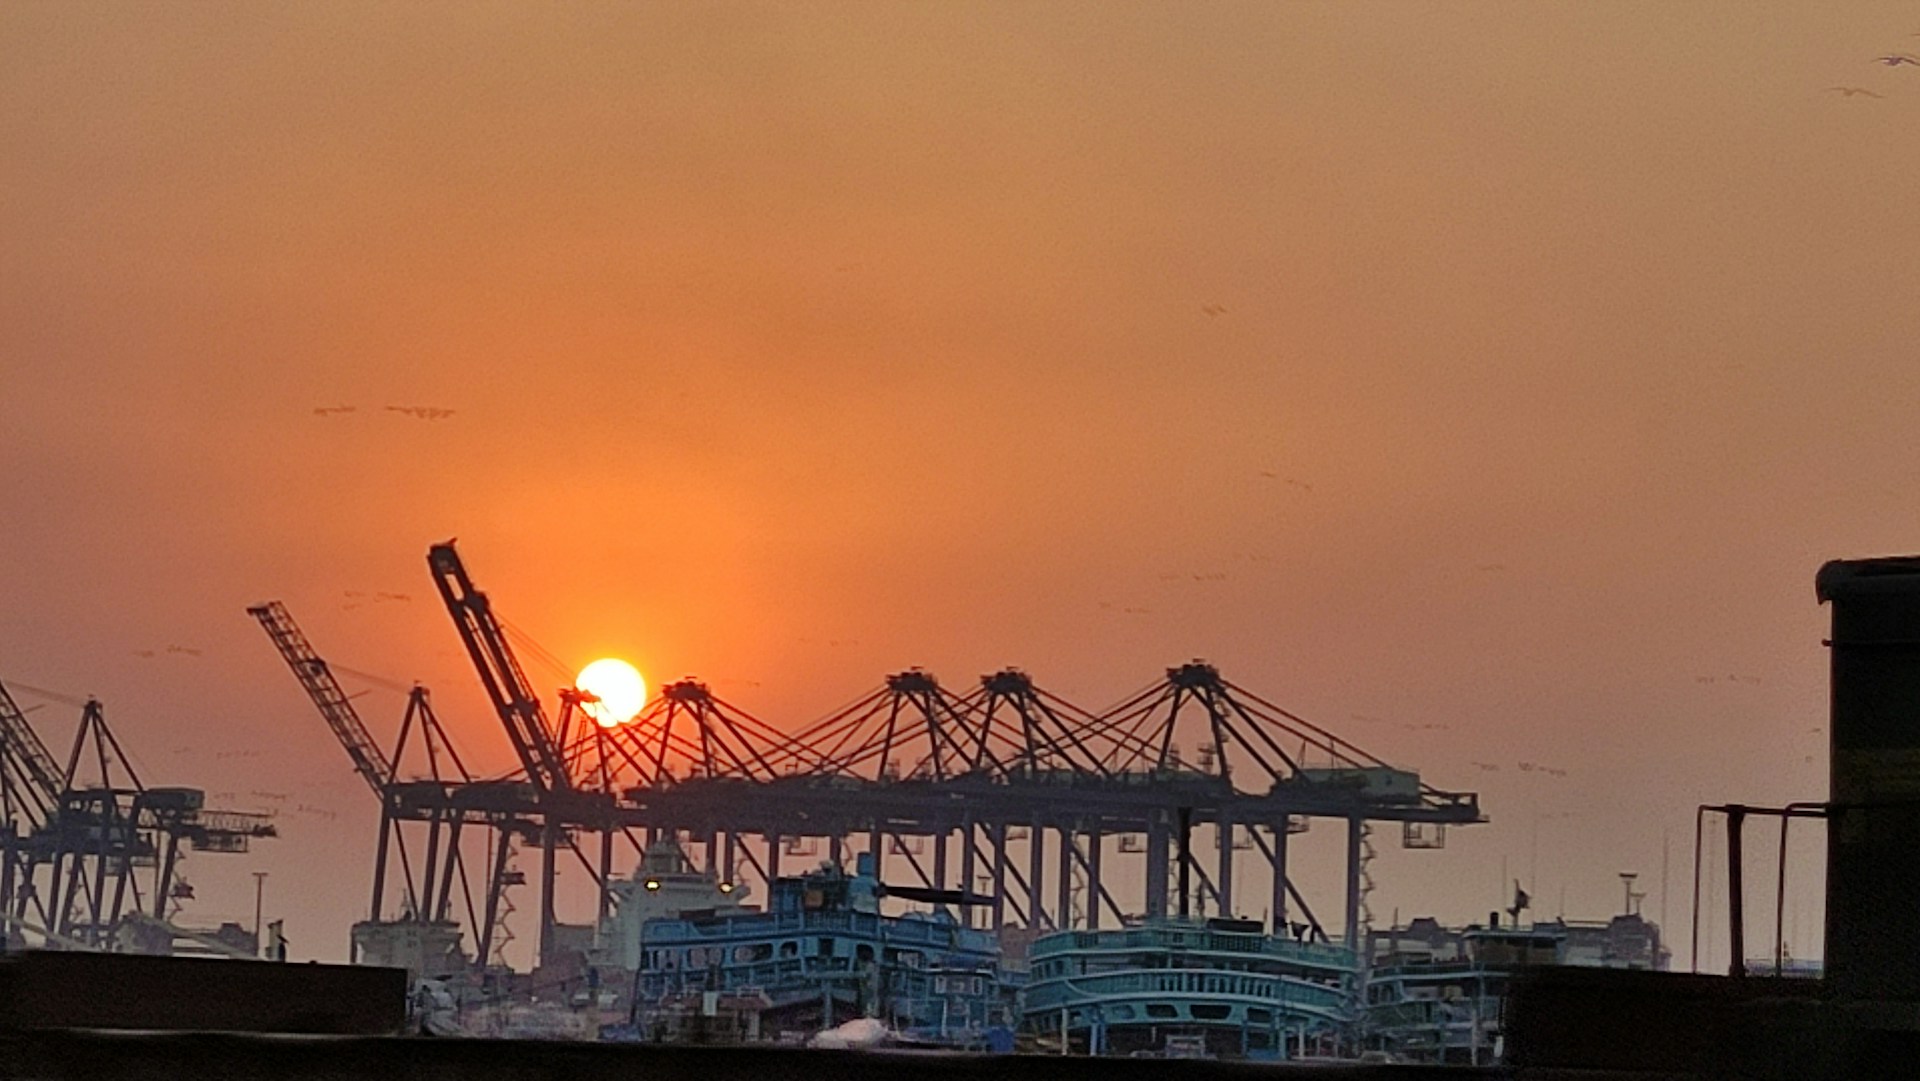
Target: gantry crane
(541, 747)
(29, 795)
(90, 836)
(445, 802)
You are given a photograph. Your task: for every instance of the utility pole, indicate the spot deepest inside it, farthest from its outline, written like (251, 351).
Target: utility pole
(259, 893)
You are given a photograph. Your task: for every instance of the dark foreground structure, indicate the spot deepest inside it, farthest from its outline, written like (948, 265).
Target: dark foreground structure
(73, 1056)
(80, 990)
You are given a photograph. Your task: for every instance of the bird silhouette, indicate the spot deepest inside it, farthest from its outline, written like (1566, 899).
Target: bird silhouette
(1894, 60)
(1853, 91)
(422, 412)
(332, 410)
(1213, 309)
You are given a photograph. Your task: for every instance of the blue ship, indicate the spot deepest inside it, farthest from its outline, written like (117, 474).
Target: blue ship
(823, 953)
(1175, 987)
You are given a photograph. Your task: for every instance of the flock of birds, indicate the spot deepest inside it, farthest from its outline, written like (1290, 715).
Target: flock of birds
(1523, 767)
(418, 412)
(1890, 60)
(182, 651)
(358, 597)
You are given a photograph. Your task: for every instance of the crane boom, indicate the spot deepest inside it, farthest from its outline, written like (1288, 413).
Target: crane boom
(29, 759)
(317, 679)
(513, 698)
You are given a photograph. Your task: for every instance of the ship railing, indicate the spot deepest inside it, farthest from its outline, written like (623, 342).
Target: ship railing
(760, 926)
(1264, 990)
(1417, 969)
(1145, 939)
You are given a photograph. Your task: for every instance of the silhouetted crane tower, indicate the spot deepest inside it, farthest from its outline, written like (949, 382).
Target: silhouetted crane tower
(72, 845)
(542, 748)
(444, 801)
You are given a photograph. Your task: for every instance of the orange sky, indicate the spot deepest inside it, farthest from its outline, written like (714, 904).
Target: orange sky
(774, 327)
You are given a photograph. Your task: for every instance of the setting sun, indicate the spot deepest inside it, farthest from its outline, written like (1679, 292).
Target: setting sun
(620, 688)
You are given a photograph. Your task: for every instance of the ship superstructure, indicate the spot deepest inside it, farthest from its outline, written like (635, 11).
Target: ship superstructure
(665, 885)
(823, 953)
(1220, 987)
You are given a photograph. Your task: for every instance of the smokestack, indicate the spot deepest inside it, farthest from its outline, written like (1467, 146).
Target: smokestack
(1873, 836)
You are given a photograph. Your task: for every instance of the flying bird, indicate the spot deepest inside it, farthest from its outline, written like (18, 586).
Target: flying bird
(1213, 309)
(1290, 481)
(1853, 91)
(421, 412)
(332, 410)
(1894, 60)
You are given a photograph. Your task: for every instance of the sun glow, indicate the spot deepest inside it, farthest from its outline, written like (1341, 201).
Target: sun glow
(619, 687)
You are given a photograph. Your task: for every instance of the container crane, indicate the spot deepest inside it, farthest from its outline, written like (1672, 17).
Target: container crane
(445, 803)
(29, 795)
(90, 834)
(538, 744)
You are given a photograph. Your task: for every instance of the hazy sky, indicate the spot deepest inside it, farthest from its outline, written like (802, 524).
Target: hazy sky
(1574, 337)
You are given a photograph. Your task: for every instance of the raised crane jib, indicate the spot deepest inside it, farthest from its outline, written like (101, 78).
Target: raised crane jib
(28, 756)
(317, 679)
(506, 685)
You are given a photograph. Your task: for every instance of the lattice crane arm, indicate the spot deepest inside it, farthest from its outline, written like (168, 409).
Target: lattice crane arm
(21, 744)
(500, 673)
(369, 761)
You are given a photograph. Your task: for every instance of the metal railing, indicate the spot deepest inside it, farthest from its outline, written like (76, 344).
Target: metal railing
(1736, 815)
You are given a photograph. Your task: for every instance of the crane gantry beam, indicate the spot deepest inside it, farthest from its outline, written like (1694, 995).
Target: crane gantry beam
(25, 757)
(369, 761)
(506, 685)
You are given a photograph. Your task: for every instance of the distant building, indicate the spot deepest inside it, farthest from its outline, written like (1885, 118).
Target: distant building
(1435, 994)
